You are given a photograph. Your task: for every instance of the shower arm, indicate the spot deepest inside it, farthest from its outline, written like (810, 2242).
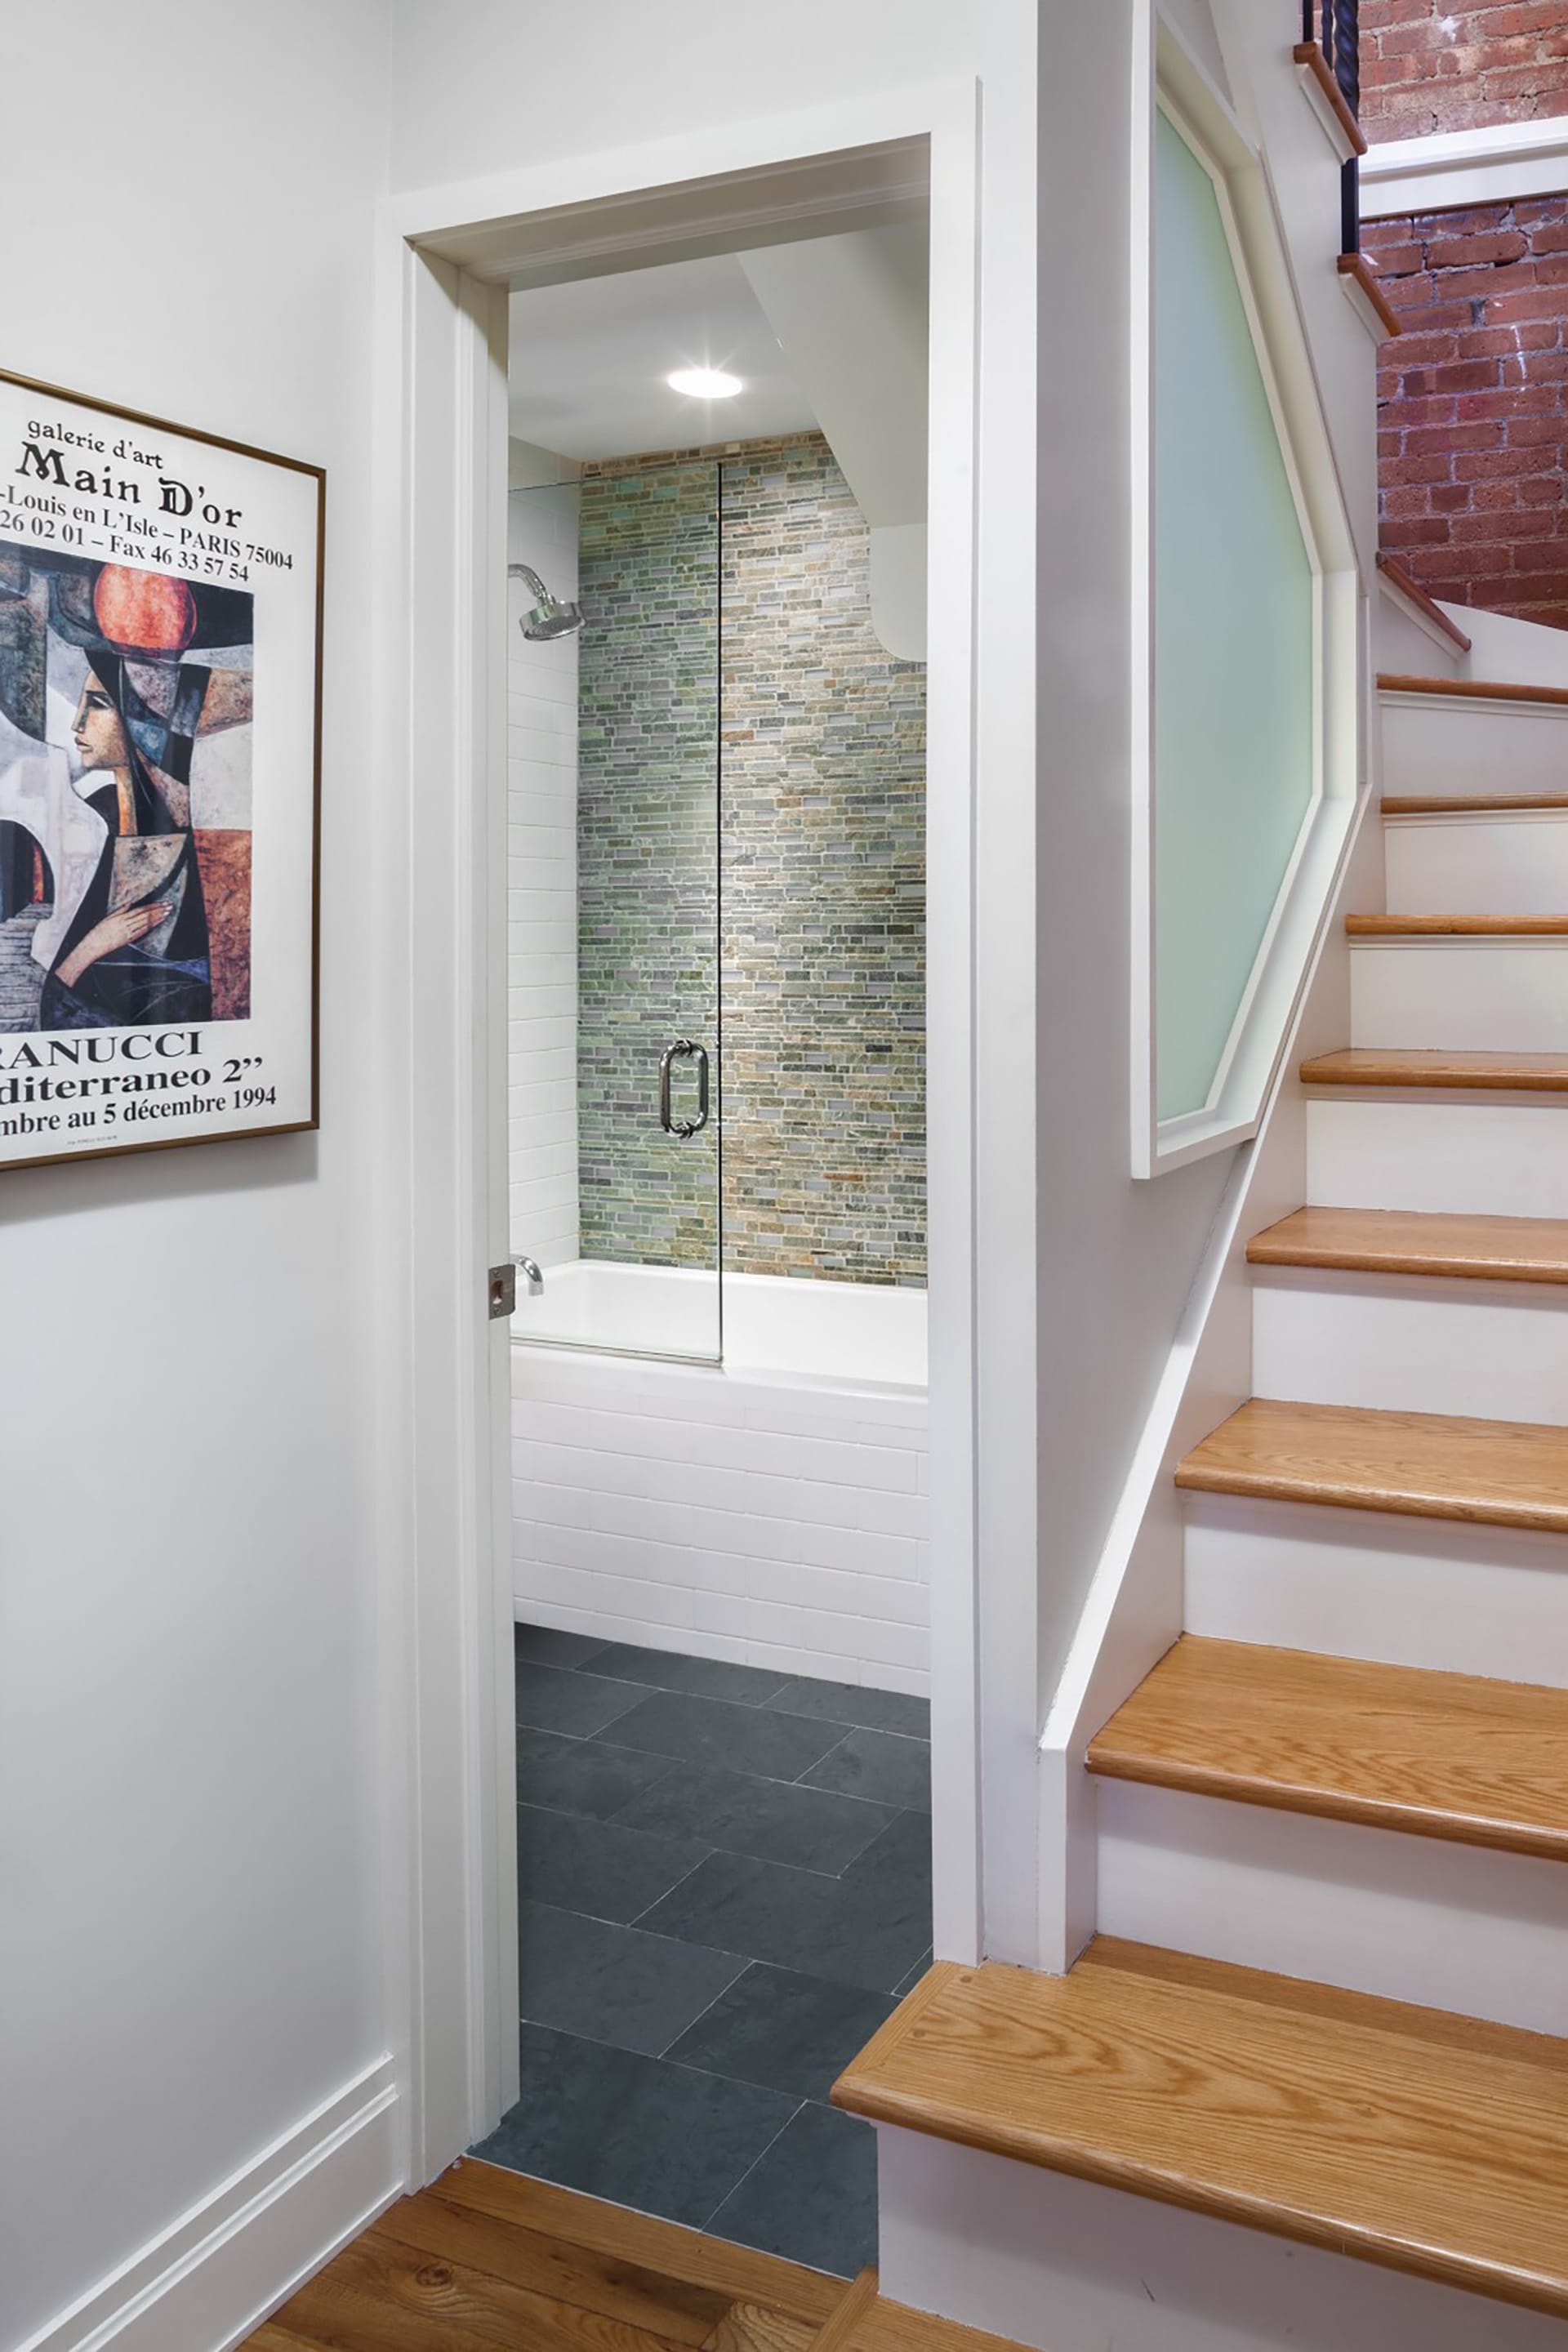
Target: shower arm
(526, 572)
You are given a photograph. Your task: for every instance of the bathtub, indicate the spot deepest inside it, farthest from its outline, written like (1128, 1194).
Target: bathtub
(772, 1511)
(838, 1331)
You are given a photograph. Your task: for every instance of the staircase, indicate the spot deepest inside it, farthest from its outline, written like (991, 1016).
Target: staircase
(1329, 1999)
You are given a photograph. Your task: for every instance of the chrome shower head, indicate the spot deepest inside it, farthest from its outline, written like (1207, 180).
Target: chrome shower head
(549, 616)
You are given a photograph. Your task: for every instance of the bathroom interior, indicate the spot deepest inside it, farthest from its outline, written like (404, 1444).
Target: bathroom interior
(717, 687)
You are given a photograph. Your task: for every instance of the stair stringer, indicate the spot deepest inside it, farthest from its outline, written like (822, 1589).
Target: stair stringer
(1134, 1609)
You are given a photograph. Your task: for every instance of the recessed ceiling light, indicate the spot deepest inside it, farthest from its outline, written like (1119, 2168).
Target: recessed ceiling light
(705, 383)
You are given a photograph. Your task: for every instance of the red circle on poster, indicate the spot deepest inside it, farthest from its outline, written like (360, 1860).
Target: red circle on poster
(143, 612)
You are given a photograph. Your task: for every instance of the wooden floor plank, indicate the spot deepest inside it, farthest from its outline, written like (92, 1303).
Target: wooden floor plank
(894, 2327)
(1448, 1756)
(1418, 1464)
(735, 2271)
(1403, 1240)
(549, 2267)
(841, 2328)
(748, 2327)
(1429, 2143)
(382, 2296)
(1376, 1066)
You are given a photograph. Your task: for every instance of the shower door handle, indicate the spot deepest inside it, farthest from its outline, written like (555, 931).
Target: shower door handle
(683, 1128)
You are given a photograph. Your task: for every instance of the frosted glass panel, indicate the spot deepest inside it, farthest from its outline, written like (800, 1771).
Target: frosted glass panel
(1233, 639)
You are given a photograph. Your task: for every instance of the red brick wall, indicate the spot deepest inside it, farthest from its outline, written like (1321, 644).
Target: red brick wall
(1426, 65)
(1473, 430)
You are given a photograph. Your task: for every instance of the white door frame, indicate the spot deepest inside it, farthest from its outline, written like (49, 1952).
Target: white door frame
(446, 258)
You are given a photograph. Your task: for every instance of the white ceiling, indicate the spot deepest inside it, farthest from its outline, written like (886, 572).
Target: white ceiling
(589, 358)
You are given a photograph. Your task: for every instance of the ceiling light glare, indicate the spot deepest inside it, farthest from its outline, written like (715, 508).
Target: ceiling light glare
(705, 383)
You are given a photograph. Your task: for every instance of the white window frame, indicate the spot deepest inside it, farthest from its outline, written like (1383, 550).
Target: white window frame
(1171, 80)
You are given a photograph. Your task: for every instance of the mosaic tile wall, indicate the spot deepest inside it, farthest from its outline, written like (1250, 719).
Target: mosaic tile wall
(822, 871)
(647, 941)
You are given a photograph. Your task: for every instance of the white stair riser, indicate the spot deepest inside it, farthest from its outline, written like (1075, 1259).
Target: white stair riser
(1458, 995)
(1440, 746)
(1514, 864)
(1411, 1343)
(1485, 1156)
(1039, 2258)
(1402, 1592)
(1418, 1919)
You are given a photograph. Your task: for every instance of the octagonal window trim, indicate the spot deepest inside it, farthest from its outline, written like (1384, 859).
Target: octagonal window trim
(1249, 1062)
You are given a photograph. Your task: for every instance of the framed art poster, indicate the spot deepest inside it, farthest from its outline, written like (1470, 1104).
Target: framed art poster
(160, 737)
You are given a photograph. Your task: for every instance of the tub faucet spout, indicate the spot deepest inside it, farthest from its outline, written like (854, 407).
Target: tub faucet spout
(528, 1268)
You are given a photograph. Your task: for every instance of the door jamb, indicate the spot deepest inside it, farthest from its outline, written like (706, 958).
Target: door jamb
(446, 260)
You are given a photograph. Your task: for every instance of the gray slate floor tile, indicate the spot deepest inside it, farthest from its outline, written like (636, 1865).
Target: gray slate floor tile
(813, 2196)
(880, 1765)
(915, 1974)
(550, 1699)
(876, 1710)
(867, 1928)
(672, 1670)
(594, 1867)
(790, 2032)
(713, 1731)
(548, 1645)
(582, 1776)
(663, 2139)
(616, 1984)
(777, 1820)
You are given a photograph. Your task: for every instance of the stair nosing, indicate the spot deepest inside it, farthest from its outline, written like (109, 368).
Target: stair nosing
(1398, 804)
(1406, 1068)
(1195, 1475)
(1140, 1761)
(1470, 689)
(1266, 1249)
(1457, 927)
(961, 2102)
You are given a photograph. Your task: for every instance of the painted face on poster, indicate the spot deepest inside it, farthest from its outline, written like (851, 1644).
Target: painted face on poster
(160, 603)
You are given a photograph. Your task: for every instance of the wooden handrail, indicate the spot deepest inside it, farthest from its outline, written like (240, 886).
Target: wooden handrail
(1395, 573)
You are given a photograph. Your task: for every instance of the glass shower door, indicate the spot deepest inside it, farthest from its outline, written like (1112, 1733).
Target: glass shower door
(624, 1008)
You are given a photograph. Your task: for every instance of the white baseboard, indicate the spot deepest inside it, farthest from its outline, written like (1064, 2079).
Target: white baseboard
(204, 2282)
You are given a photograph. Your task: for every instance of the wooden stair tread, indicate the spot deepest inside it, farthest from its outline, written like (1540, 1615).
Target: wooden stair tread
(1408, 1241)
(1429, 2143)
(1481, 805)
(1458, 927)
(1377, 1065)
(1469, 689)
(1420, 1464)
(1448, 1756)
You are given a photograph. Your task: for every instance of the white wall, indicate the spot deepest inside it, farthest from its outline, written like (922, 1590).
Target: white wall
(191, 1826)
(541, 880)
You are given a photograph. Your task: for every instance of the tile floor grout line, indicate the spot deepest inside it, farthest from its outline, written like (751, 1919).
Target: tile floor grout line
(735, 2188)
(696, 2021)
(800, 1782)
(674, 1889)
(689, 2066)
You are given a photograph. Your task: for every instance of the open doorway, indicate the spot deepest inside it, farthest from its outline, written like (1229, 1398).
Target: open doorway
(716, 1127)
